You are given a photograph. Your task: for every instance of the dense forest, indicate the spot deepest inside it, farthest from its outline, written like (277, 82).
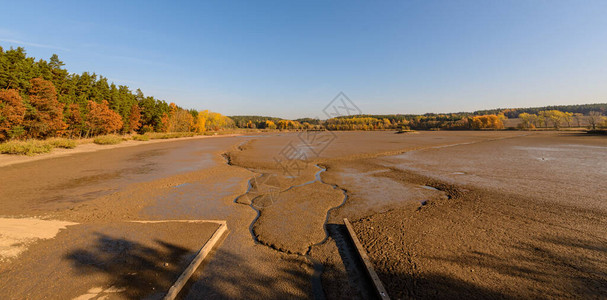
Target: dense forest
(40, 99)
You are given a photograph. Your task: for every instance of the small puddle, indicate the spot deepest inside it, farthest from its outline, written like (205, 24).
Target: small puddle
(182, 185)
(429, 187)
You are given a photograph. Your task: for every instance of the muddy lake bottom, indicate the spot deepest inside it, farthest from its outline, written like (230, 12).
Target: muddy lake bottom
(441, 215)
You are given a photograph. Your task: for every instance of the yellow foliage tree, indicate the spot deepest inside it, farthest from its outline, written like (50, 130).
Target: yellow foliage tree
(270, 124)
(208, 120)
(487, 122)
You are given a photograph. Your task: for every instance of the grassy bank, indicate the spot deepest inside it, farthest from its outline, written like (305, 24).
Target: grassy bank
(162, 136)
(34, 147)
(109, 139)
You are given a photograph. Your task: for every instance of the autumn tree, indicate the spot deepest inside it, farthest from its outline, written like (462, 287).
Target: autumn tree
(215, 121)
(171, 117)
(44, 114)
(200, 123)
(101, 119)
(528, 121)
(568, 118)
(163, 126)
(180, 121)
(556, 117)
(269, 124)
(12, 112)
(578, 118)
(134, 118)
(487, 122)
(595, 118)
(74, 120)
(553, 116)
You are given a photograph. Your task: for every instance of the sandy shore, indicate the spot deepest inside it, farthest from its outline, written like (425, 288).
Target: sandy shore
(504, 214)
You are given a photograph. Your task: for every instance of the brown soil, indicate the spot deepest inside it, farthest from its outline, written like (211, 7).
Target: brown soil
(517, 218)
(298, 214)
(482, 244)
(118, 260)
(516, 214)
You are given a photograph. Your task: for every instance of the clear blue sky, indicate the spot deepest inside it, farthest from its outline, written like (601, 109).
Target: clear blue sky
(290, 58)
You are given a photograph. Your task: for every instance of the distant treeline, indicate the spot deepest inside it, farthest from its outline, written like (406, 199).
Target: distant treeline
(375, 122)
(584, 109)
(40, 99)
(253, 121)
(543, 118)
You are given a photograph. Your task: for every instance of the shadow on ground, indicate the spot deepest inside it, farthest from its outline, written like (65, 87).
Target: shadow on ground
(571, 266)
(231, 276)
(141, 271)
(137, 270)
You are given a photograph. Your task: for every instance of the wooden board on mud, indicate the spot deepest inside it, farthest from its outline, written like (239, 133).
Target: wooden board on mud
(381, 291)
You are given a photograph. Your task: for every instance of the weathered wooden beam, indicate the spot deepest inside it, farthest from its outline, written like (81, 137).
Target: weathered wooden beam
(379, 287)
(202, 253)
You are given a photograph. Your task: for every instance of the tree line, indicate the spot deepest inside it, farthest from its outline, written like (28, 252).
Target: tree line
(558, 119)
(582, 109)
(455, 121)
(41, 99)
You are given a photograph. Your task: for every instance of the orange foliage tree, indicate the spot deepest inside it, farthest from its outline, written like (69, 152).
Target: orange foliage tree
(101, 119)
(74, 119)
(44, 116)
(12, 112)
(135, 118)
(164, 123)
(180, 120)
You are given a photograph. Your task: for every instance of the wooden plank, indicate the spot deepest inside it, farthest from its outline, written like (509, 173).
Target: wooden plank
(202, 253)
(379, 287)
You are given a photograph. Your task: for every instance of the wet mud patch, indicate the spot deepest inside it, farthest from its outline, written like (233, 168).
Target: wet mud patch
(199, 199)
(296, 220)
(373, 188)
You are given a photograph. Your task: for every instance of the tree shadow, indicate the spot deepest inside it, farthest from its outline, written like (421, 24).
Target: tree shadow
(137, 270)
(565, 266)
(435, 286)
(231, 276)
(147, 271)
